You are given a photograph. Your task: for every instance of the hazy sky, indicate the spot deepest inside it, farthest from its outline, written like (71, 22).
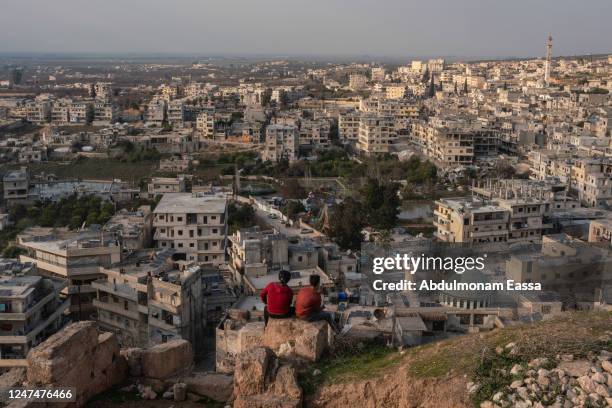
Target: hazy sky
(392, 28)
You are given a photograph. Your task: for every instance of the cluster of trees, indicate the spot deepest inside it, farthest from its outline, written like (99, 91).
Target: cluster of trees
(420, 172)
(69, 212)
(292, 189)
(377, 206)
(293, 208)
(240, 216)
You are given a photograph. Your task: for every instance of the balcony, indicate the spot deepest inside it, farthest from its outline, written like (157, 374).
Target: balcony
(115, 308)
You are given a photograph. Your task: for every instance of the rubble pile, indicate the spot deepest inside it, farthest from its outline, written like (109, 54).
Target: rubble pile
(563, 382)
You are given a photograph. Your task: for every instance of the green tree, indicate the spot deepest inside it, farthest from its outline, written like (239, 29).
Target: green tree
(384, 239)
(292, 189)
(293, 208)
(13, 251)
(346, 223)
(240, 216)
(380, 203)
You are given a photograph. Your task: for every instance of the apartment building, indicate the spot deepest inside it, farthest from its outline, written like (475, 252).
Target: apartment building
(395, 91)
(163, 185)
(105, 113)
(103, 90)
(458, 220)
(133, 229)
(451, 144)
(600, 231)
(156, 111)
(151, 301)
(376, 134)
(574, 269)
(16, 185)
(435, 65)
(176, 112)
(257, 256)
(73, 257)
(194, 225)
(31, 309)
(60, 112)
(205, 124)
(377, 74)
(417, 66)
(80, 112)
(38, 111)
(512, 219)
(282, 142)
(314, 132)
(591, 180)
(348, 126)
(358, 82)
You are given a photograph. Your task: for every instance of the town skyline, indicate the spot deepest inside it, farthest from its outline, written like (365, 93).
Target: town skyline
(472, 28)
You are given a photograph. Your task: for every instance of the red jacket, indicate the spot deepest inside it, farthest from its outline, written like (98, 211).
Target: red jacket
(278, 298)
(308, 301)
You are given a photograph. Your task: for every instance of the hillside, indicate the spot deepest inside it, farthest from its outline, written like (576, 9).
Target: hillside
(437, 374)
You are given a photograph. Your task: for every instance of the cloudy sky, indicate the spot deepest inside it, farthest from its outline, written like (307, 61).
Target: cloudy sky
(392, 28)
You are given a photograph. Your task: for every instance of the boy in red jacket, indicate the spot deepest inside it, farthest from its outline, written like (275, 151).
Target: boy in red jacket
(308, 304)
(278, 298)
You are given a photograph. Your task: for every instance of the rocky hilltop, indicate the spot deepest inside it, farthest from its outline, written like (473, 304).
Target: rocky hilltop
(562, 363)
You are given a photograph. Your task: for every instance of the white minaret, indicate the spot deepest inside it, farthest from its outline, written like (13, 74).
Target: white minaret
(548, 60)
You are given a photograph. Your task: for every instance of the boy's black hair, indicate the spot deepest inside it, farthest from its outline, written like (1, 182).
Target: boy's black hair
(315, 280)
(284, 276)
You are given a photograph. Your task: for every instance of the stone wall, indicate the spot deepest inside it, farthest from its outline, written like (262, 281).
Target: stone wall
(77, 357)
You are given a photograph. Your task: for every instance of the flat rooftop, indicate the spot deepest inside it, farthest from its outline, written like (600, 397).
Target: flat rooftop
(191, 203)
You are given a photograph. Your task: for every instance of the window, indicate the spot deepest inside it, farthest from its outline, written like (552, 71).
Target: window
(215, 230)
(180, 244)
(191, 245)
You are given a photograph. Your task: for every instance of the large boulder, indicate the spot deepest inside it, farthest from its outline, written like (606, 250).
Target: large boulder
(167, 359)
(133, 356)
(261, 381)
(215, 386)
(307, 340)
(77, 357)
(250, 371)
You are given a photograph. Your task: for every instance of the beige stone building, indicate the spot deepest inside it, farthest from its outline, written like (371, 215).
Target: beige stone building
(132, 228)
(74, 257)
(163, 185)
(31, 309)
(457, 220)
(282, 142)
(376, 134)
(195, 225)
(151, 301)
